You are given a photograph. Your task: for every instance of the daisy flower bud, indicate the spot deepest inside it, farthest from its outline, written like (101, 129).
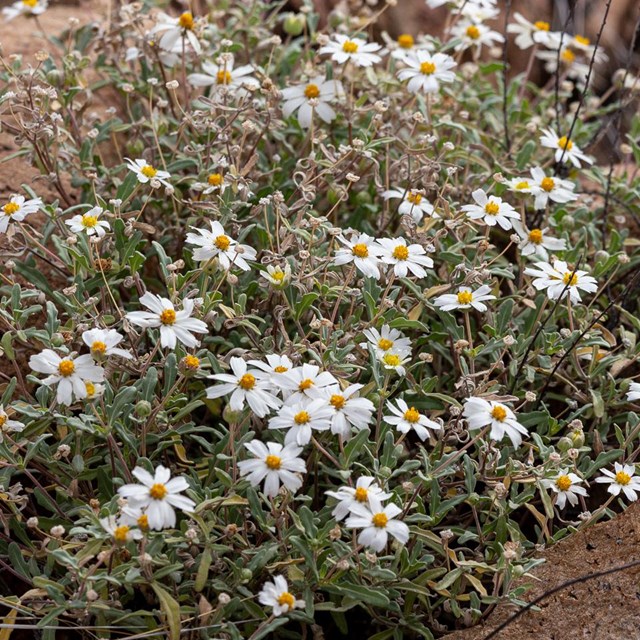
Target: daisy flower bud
(57, 531)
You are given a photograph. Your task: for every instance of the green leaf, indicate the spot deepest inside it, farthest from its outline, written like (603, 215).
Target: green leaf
(171, 610)
(360, 594)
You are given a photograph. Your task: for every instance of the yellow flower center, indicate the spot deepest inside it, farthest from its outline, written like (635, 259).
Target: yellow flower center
(307, 383)
(385, 344)
(563, 143)
(623, 478)
(89, 222)
(98, 347)
(143, 522)
(273, 462)
(427, 68)
(168, 317)
(548, 183)
(302, 417)
(499, 413)
(222, 242)
(278, 275)
(405, 41)
(148, 171)
(223, 77)
(66, 368)
(337, 401)
(91, 389)
(158, 491)
(563, 483)
(3, 420)
(247, 382)
(541, 25)
(570, 278)
(280, 369)
(582, 40)
(215, 179)
(286, 599)
(568, 56)
(391, 359)
(473, 32)
(361, 494)
(350, 46)
(311, 91)
(380, 520)
(535, 236)
(186, 20)
(120, 533)
(191, 362)
(492, 208)
(522, 185)
(411, 415)
(414, 198)
(465, 297)
(360, 250)
(10, 208)
(30, 3)
(401, 252)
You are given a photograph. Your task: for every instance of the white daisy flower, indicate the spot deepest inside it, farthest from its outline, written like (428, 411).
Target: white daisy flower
(491, 210)
(530, 33)
(480, 413)
(89, 223)
(519, 185)
(425, 71)
(573, 67)
(537, 242)
(249, 387)
(174, 325)
(67, 372)
(121, 533)
(274, 464)
(356, 50)
(413, 204)
(406, 418)
(146, 172)
(275, 366)
(348, 409)
(405, 258)
(405, 44)
(216, 182)
(217, 244)
(565, 485)
(377, 523)
(177, 32)
(475, 36)
(17, 209)
(158, 495)
(363, 251)
(94, 391)
(276, 276)
(634, 391)
(348, 497)
(395, 361)
(104, 342)
(225, 79)
(546, 188)
(302, 383)
(465, 299)
(559, 277)
(276, 594)
(7, 425)
(624, 479)
(301, 418)
(24, 8)
(386, 340)
(133, 516)
(312, 97)
(564, 149)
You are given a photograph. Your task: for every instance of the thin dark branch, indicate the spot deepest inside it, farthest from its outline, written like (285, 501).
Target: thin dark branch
(560, 587)
(505, 85)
